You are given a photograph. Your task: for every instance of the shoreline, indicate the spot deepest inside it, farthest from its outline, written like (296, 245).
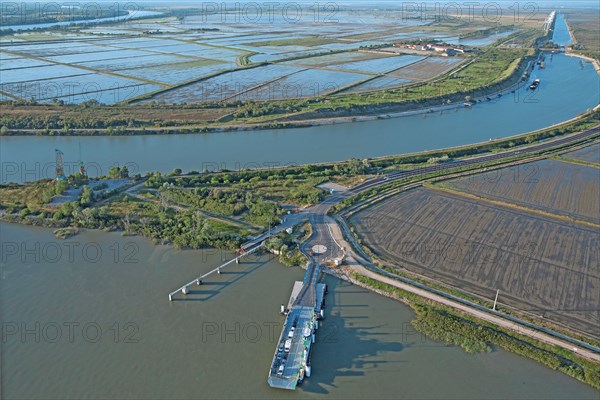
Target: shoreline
(507, 85)
(476, 339)
(569, 49)
(591, 60)
(571, 34)
(490, 93)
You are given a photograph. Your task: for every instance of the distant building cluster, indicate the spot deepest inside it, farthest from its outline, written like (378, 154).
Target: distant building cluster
(445, 50)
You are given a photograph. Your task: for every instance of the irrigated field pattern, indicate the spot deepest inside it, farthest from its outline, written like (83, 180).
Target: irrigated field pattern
(552, 186)
(589, 154)
(540, 265)
(167, 52)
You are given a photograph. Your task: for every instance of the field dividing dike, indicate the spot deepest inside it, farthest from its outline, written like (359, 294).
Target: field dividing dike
(412, 63)
(382, 275)
(581, 146)
(347, 71)
(577, 162)
(448, 72)
(310, 55)
(262, 84)
(354, 84)
(501, 85)
(98, 91)
(244, 59)
(404, 186)
(98, 71)
(514, 207)
(158, 52)
(203, 44)
(444, 286)
(149, 50)
(413, 83)
(407, 85)
(405, 268)
(8, 95)
(400, 186)
(375, 74)
(400, 272)
(149, 96)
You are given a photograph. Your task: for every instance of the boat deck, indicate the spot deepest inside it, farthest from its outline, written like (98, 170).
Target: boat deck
(305, 304)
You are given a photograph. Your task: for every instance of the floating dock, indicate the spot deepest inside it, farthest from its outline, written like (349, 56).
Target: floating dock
(291, 361)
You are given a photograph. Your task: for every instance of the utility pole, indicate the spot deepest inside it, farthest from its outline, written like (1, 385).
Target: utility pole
(82, 170)
(496, 299)
(270, 218)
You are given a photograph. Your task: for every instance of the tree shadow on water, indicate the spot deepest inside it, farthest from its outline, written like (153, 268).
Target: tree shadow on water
(346, 346)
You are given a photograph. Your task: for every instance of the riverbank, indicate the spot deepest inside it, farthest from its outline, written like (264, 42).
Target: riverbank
(570, 52)
(515, 79)
(456, 323)
(176, 340)
(96, 120)
(474, 335)
(591, 60)
(577, 370)
(583, 31)
(290, 185)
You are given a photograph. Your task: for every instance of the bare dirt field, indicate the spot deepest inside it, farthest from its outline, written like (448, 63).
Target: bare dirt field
(551, 186)
(589, 154)
(540, 265)
(427, 69)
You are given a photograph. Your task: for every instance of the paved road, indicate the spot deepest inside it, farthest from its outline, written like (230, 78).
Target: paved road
(326, 232)
(358, 263)
(316, 214)
(288, 222)
(474, 160)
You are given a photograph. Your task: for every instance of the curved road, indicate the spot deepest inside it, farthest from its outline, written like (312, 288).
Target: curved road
(328, 233)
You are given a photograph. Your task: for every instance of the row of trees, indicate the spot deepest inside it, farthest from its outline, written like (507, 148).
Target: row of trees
(63, 124)
(351, 167)
(474, 337)
(118, 173)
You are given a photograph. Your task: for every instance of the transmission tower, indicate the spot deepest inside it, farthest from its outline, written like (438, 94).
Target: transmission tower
(60, 166)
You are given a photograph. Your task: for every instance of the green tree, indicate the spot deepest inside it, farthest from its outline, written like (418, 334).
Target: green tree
(60, 186)
(114, 172)
(77, 179)
(86, 197)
